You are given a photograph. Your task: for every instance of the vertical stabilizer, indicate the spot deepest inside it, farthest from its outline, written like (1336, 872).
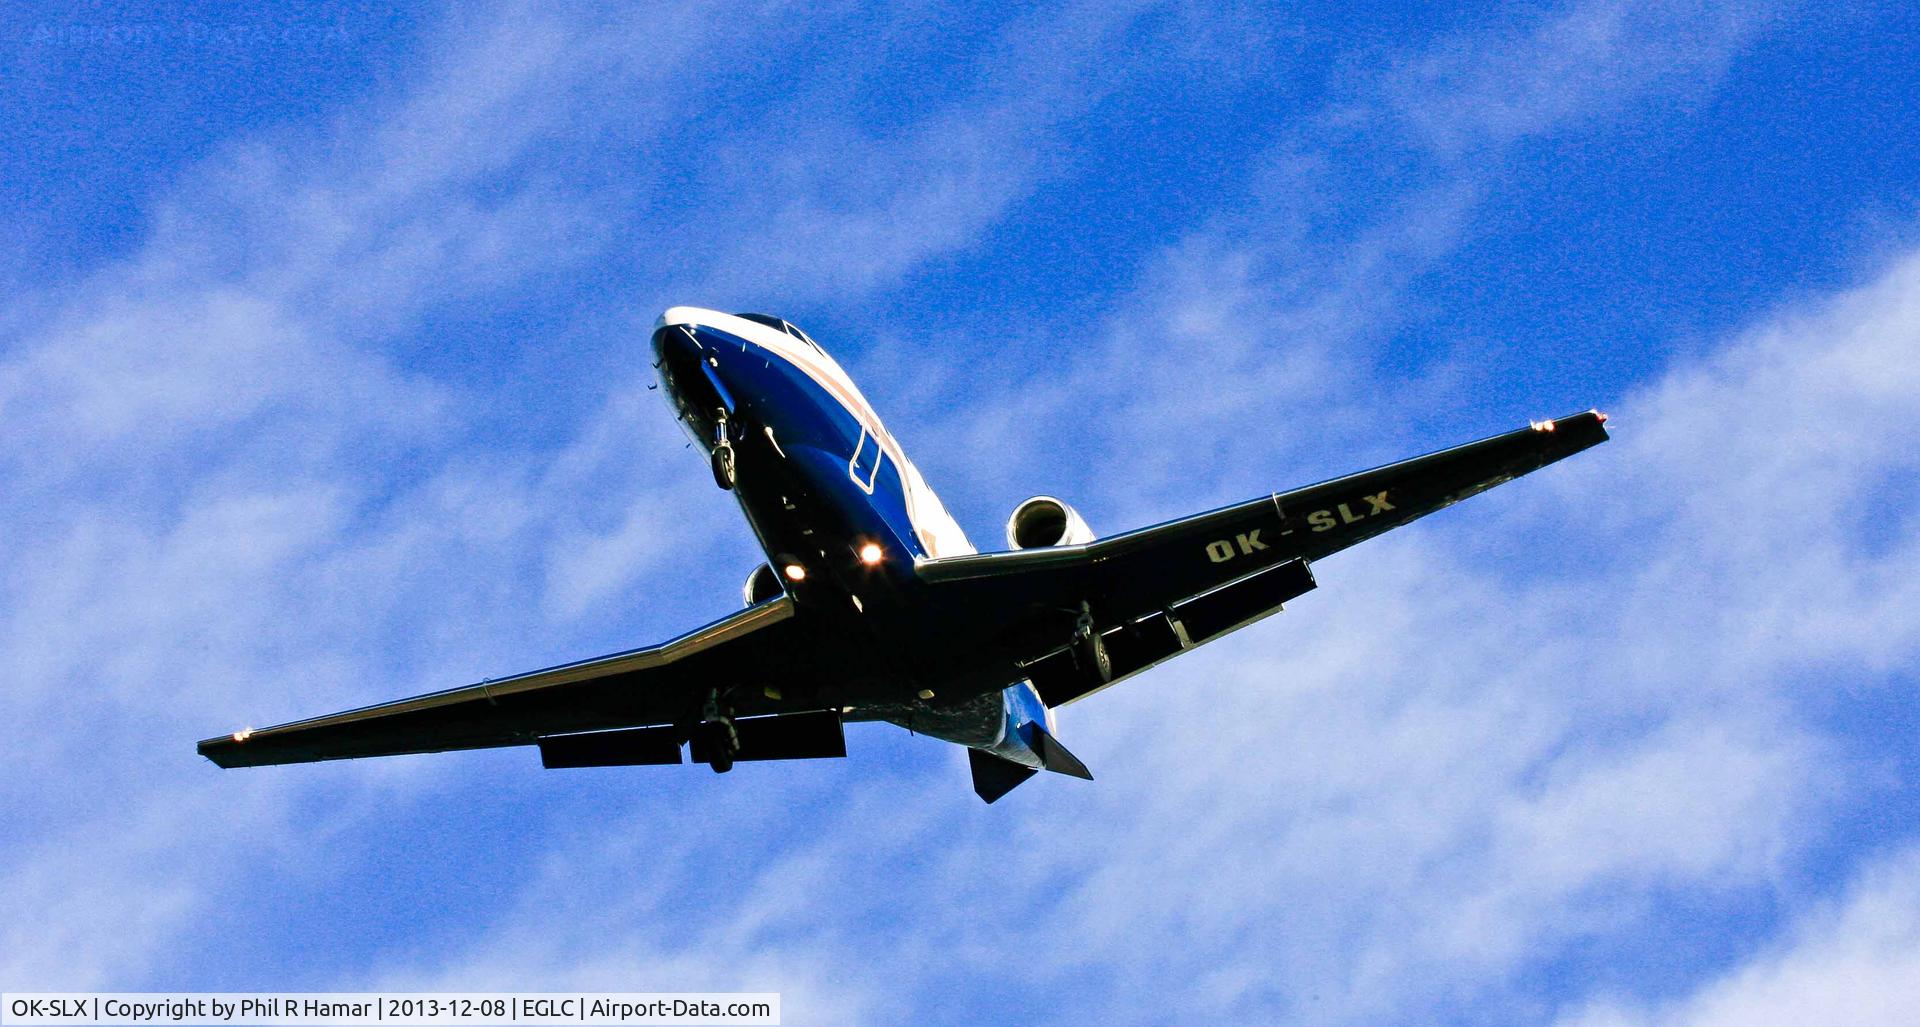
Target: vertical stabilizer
(994, 776)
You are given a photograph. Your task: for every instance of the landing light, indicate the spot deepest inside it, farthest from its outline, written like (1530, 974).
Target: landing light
(1542, 425)
(870, 554)
(795, 572)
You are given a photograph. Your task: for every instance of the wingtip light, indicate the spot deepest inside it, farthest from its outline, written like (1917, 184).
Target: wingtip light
(870, 554)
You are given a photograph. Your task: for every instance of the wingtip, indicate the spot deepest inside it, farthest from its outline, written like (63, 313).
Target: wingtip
(224, 750)
(1584, 428)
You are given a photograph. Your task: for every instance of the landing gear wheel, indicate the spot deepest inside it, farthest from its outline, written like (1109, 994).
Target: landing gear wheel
(1090, 650)
(723, 475)
(722, 741)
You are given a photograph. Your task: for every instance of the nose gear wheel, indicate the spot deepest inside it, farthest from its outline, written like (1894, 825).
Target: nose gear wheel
(723, 460)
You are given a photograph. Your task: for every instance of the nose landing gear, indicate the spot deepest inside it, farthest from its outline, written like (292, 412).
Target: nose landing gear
(723, 462)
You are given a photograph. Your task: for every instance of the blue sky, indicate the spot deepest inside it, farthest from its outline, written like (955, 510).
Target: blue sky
(323, 370)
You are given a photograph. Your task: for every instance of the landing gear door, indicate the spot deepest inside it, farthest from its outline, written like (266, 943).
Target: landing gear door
(865, 465)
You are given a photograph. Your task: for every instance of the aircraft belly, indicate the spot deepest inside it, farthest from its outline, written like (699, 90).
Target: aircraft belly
(980, 722)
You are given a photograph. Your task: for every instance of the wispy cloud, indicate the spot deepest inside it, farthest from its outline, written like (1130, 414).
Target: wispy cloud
(1432, 779)
(1399, 801)
(1855, 960)
(1455, 766)
(217, 487)
(263, 496)
(1283, 308)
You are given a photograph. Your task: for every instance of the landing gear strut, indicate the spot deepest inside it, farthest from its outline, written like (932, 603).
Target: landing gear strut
(723, 741)
(1089, 649)
(723, 467)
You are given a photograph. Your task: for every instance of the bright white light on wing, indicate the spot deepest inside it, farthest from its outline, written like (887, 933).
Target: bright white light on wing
(243, 734)
(795, 572)
(1542, 425)
(870, 553)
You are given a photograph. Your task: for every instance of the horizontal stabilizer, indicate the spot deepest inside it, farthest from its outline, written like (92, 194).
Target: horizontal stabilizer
(795, 736)
(647, 746)
(1056, 758)
(994, 776)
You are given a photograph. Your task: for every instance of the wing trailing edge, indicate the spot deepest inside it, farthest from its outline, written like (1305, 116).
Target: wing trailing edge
(1139, 645)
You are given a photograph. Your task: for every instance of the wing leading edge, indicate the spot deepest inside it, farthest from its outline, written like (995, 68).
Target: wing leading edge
(654, 685)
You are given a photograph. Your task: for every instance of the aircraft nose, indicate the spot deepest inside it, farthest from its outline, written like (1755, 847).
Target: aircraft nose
(673, 343)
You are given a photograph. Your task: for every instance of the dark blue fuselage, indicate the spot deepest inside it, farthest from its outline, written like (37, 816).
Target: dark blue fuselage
(843, 517)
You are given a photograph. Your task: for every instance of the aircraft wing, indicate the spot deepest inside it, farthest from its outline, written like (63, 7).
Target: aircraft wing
(1158, 591)
(661, 684)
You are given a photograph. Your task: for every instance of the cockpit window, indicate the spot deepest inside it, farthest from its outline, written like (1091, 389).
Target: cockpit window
(784, 325)
(766, 319)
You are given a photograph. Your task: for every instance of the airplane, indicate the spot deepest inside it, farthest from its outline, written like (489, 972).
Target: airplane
(873, 605)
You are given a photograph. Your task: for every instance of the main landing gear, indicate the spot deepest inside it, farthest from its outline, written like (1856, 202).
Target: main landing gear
(721, 739)
(723, 465)
(1089, 649)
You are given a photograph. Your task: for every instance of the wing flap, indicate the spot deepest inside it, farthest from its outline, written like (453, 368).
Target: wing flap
(792, 736)
(635, 747)
(1185, 625)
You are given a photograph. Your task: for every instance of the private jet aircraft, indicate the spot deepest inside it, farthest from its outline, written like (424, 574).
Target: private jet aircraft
(874, 606)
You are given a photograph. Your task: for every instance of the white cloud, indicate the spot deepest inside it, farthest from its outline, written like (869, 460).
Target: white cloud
(1397, 798)
(211, 503)
(831, 208)
(1856, 961)
(1471, 94)
(1435, 776)
(1428, 780)
(230, 494)
(1279, 307)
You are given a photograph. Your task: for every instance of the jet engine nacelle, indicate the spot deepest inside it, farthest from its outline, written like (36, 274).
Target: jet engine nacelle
(761, 586)
(1046, 521)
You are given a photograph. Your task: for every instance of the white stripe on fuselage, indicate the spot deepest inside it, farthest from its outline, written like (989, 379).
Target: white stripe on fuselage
(938, 532)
